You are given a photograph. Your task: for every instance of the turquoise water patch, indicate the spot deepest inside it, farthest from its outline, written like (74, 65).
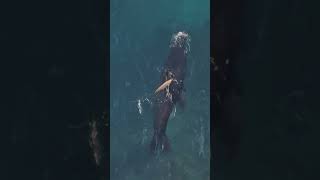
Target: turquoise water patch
(140, 35)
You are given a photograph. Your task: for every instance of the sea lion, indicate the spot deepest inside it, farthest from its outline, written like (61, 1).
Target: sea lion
(169, 93)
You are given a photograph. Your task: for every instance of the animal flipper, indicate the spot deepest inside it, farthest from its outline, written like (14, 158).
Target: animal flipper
(164, 85)
(160, 143)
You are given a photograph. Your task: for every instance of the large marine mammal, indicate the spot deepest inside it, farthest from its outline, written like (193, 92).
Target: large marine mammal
(170, 90)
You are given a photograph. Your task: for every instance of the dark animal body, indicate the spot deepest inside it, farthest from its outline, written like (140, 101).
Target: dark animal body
(175, 69)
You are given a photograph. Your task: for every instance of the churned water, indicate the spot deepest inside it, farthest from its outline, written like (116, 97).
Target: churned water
(140, 36)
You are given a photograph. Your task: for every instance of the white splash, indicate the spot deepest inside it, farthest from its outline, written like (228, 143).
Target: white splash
(174, 112)
(148, 101)
(139, 106)
(181, 39)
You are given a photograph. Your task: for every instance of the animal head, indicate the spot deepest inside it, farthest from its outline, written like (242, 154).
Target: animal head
(181, 39)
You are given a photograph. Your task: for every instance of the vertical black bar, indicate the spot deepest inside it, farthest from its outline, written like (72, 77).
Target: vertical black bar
(58, 73)
(226, 17)
(107, 169)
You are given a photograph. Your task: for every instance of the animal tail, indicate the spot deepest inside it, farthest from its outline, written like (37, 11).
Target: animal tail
(160, 143)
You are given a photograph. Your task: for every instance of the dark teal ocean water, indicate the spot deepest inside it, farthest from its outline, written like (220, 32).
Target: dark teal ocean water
(140, 35)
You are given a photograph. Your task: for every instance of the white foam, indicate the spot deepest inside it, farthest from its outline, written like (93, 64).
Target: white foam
(181, 39)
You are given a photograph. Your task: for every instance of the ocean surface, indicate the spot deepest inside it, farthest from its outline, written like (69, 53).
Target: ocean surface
(140, 34)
